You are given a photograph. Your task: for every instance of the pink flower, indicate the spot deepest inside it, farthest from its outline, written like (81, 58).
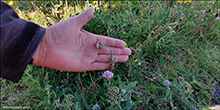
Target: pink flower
(139, 94)
(108, 74)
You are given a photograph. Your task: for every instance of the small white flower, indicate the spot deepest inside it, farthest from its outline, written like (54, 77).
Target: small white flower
(48, 87)
(166, 83)
(217, 18)
(139, 63)
(182, 14)
(123, 32)
(169, 27)
(203, 11)
(123, 91)
(202, 19)
(206, 18)
(181, 2)
(195, 15)
(213, 14)
(181, 79)
(136, 60)
(213, 2)
(210, 2)
(96, 107)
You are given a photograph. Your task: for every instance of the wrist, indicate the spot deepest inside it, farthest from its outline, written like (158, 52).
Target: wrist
(39, 54)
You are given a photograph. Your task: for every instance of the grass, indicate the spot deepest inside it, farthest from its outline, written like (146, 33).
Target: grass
(174, 63)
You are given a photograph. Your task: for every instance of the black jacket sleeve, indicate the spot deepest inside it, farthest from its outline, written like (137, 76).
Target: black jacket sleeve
(19, 41)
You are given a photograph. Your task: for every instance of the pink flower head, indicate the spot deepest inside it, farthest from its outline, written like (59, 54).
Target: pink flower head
(108, 74)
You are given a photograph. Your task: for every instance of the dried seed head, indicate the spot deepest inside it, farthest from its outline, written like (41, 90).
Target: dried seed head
(69, 97)
(84, 91)
(56, 103)
(94, 87)
(99, 45)
(113, 95)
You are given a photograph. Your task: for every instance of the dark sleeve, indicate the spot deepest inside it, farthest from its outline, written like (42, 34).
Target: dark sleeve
(19, 41)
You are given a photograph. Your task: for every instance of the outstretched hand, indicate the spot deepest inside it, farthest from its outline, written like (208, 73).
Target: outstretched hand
(65, 46)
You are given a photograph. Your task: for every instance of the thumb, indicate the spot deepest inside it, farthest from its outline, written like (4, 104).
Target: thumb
(84, 17)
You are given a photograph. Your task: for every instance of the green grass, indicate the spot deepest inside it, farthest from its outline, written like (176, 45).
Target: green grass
(164, 47)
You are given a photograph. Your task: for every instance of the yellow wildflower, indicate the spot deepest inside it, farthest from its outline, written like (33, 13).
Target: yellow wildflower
(190, 91)
(179, 0)
(11, 3)
(94, 2)
(181, 18)
(188, 0)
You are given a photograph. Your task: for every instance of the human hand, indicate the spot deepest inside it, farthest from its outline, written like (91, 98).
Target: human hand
(65, 46)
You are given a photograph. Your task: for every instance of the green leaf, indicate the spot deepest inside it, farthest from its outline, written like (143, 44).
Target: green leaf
(25, 80)
(78, 107)
(43, 102)
(120, 82)
(84, 102)
(137, 102)
(45, 11)
(191, 25)
(129, 105)
(130, 85)
(103, 100)
(50, 16)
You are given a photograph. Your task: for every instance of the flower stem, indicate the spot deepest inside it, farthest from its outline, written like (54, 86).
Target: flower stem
(119, 106)
(112, 61)
(99, 45)
(90, 77)
(80, 80)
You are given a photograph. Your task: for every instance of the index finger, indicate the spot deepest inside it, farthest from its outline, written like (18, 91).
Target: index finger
(111, 42)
